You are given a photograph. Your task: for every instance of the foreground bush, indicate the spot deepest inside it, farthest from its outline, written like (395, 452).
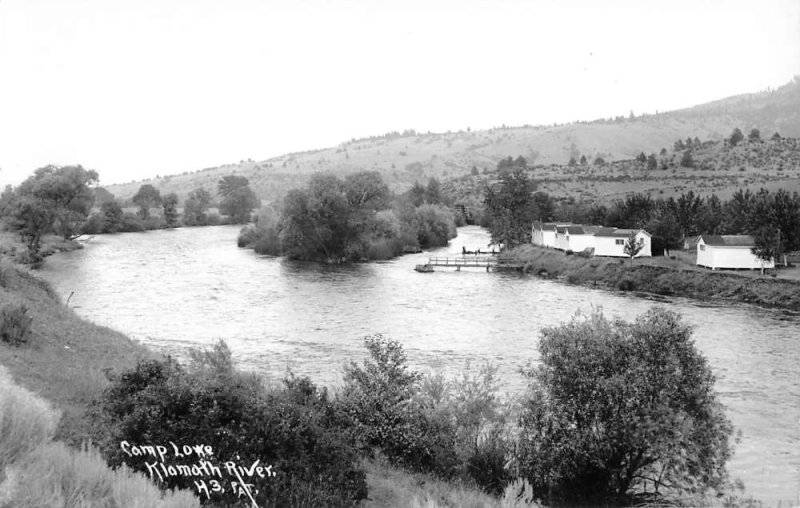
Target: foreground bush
(15, 324)
(293, 428)
(619, 411)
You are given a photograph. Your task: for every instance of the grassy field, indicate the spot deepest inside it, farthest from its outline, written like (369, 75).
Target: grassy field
(661, 276)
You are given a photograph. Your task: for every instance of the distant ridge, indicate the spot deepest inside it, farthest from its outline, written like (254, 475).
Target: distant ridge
(405, 157)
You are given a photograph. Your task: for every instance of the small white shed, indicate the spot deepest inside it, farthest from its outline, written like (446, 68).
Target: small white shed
(729, 251)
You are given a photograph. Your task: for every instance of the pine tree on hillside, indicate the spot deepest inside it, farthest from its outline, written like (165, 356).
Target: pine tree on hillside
(736, 137)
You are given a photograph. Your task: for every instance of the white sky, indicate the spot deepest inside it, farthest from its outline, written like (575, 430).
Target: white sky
(136, 88)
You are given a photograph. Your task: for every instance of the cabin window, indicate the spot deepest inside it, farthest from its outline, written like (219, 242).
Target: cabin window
(619, 242)
(701, 247)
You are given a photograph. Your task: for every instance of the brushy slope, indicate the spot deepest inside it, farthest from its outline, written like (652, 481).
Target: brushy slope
(66, 357)
(642, 275)
(405, 157)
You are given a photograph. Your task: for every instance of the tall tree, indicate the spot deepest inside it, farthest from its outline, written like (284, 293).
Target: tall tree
(767, 244)
(633, 246)
(511, 208)
(112, 216)
(229, 184)
(146, 197)
(238, 199)
(31, 217)
(195, 206)
(67, 192)
(687, 161)
(736, 137)
(170, 206)
(652, 162)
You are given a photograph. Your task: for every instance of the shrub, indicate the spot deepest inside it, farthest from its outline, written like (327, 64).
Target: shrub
(378, 398)
(130, 223)
(15, 324)
(54, 475)
(617, 409)
(247, 236)
(293, 427)
(94, 225)
(214, 219)
(425, 423)
(626, 285)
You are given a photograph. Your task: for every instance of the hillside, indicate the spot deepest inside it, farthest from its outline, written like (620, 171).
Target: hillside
(405, 157)
(717, 169)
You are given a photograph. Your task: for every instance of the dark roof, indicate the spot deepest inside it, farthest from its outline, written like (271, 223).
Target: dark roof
(575, 230)
(553, 225)
(729, 240)
(616, 232)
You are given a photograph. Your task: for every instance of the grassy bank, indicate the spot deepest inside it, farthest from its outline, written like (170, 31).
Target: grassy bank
(12, 246)
(66, 358)
(648, 275)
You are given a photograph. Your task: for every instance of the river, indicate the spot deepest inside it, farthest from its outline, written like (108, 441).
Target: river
(188, 287)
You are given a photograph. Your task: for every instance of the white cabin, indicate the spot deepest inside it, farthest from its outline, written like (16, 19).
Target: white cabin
(544, 234)
(729, 251)
(611, 242)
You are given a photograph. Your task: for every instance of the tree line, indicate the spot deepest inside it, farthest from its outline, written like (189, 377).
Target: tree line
(66, 201)
(354, 218)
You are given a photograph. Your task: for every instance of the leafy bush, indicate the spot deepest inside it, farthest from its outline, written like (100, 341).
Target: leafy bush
(620, 409)
(95, 224)
(626, 285)
(130, 223)
(213, 219)
(425, 423)
(15, 324)
(293, 428)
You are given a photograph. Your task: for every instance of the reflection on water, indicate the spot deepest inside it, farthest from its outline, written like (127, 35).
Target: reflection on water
(191, 286)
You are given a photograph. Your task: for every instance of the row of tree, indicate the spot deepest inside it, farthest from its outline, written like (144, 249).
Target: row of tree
(66, 201)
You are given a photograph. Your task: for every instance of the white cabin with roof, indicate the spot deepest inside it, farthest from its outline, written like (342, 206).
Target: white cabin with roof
(729, 251)
(611, 242)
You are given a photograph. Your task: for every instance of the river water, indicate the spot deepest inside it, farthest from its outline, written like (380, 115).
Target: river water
(188, 287)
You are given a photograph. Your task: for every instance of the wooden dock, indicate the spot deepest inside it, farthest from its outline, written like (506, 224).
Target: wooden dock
(458, 262)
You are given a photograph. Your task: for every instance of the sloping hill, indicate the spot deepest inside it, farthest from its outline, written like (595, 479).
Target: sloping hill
(716, 168)
(405, 157)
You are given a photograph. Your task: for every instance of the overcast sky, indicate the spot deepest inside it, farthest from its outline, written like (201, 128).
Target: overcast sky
(139, 88)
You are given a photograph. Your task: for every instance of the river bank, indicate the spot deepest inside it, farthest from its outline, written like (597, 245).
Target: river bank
(640, 276)
(13, 247)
